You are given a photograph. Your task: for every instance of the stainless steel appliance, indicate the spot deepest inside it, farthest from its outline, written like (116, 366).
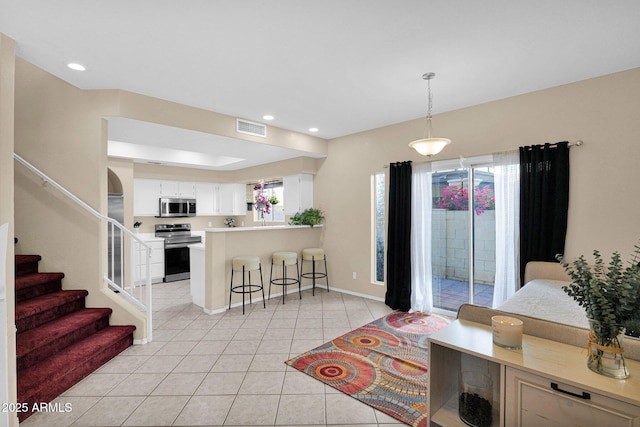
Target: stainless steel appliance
(177, 238)
(176, 208)
(115, 210)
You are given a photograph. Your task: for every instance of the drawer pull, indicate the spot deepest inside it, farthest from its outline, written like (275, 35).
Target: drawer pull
(584, 394)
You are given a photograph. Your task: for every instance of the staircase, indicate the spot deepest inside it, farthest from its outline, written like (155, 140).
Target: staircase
(59, 341)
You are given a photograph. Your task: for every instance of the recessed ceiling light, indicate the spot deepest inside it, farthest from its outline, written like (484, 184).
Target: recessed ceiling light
(268, 117)
(75, 66)
(313, 129)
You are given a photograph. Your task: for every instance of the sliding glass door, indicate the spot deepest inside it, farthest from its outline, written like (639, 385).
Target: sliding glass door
(463, 236)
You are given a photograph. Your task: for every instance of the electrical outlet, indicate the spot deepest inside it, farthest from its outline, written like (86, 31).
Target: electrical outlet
(355, 276)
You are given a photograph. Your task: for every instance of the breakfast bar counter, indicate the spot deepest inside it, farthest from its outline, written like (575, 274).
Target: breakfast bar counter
(211, 260)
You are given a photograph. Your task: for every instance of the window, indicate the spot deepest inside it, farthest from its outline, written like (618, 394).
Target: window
(273, 191)
(378, 228)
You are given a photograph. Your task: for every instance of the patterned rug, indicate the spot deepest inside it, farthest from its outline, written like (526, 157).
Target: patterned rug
(383, 364)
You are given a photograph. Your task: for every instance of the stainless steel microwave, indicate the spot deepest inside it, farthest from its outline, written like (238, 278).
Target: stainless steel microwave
(175, 208)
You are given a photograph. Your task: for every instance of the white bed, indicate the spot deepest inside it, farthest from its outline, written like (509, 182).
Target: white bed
(542, 297)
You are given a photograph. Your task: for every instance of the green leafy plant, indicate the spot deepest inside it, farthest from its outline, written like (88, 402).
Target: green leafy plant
(296, 219)
(309, 216)
(610, 294)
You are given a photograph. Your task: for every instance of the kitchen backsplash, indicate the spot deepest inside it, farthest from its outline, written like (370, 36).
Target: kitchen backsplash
(197, 223)
(148, 223)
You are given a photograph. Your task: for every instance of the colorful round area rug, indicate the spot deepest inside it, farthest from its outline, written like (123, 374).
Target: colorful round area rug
(382, 364)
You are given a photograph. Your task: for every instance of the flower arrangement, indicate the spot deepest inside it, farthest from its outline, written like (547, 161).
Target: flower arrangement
(230, 222)
(610, 294)
(457, 199)
(261, 203)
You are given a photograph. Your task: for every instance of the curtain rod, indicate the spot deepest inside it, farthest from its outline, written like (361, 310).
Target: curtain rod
(576, 143)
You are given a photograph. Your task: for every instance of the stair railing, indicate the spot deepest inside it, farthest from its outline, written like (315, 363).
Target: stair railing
(138, 292)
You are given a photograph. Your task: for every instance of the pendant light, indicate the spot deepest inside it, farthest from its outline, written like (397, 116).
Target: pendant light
(429, 146)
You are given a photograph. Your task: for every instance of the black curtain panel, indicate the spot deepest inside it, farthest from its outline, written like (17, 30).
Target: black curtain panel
(398, 295)
(544, 202)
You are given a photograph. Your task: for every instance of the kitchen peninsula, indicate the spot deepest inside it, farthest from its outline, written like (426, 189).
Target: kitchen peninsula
(211, 260)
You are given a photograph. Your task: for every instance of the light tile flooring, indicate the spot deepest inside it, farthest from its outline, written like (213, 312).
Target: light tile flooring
(224, 369)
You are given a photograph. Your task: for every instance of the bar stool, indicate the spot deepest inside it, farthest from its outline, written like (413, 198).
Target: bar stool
(246, 264)
(285, 259)
(314, 255)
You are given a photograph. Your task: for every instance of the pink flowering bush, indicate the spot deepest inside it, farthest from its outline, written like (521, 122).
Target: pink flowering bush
(456, 198)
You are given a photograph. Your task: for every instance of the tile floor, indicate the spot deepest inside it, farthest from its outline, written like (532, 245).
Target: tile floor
(224, 369)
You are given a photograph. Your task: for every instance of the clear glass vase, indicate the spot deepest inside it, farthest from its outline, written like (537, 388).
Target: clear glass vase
(476, 391)
(606, 351)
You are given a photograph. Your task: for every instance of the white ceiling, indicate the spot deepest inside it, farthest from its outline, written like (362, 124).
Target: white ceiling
(342, 66)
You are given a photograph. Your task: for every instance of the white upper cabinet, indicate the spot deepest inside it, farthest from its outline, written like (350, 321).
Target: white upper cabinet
(185, 190)
(146, 197)
(298, 193)
(205, 198)
(239, 199)
(211, 198)
(220, 199)
(230, 199)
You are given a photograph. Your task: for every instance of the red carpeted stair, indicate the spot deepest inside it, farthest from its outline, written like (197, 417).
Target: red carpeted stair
(59, 341)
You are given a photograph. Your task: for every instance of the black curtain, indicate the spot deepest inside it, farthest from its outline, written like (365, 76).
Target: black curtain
(544, 202)
(398, 295)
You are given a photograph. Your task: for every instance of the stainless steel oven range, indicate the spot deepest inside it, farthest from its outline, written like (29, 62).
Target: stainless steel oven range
(177, 238)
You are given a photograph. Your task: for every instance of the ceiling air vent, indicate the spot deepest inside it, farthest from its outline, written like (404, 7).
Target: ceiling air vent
(251, 128)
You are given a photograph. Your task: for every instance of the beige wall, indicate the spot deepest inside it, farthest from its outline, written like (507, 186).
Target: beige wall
(56, 128)
(7, 75)
(153, 110)
(62, 130)
(604, 206)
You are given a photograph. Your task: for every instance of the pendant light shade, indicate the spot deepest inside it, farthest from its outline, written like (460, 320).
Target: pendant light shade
(429, 146)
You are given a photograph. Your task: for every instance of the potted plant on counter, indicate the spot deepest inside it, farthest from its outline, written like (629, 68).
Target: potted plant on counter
(309, 217)
(610, 294)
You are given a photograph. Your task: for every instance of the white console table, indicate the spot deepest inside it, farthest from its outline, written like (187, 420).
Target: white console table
(547, 383)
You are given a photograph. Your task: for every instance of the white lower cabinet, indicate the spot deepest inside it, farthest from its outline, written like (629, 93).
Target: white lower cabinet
(537, 401)
(156, 264)
(545, 384)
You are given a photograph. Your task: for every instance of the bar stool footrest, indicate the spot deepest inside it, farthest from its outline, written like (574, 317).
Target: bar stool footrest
(312, 276)
(285, 281)
(251, 289)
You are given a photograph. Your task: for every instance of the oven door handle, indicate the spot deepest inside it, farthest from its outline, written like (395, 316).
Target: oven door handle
(175, 245)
